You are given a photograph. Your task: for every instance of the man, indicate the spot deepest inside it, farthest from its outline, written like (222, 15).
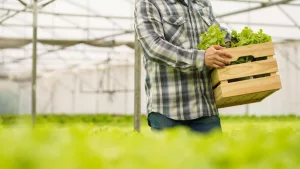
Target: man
(178, 82)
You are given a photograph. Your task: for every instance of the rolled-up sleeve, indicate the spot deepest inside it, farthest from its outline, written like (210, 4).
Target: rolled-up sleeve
(150, 34)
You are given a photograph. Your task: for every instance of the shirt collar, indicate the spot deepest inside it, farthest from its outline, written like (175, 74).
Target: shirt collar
(174, 1)
(184, 2)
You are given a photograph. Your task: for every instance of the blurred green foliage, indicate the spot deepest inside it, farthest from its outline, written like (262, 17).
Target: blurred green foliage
(108, 142)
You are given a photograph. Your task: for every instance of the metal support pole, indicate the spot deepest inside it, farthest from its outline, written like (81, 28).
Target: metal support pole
(137, 87)
(247, 110)
(20, 98)
(34, 61)
(98, 92)
(52, 96)
(265, 5)
(74, 92)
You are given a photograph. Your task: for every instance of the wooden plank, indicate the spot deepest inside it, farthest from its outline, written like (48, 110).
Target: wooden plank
(244, 99)
(248, 100)
(268, 94)
(248, 97)
(240, 103)
(256, 50)
(218, 93)
(237, 100)
(215, 77)
(224, 82)
(222, 101)
(261, 95)
(251, 86)
(246, 69)
(219, 97)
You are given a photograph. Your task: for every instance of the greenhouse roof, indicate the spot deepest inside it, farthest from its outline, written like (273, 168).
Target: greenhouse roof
(76, 35)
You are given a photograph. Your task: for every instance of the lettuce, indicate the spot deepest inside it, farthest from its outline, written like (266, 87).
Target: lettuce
(215, 36)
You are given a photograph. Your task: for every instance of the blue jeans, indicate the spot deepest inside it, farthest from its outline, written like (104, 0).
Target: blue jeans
(159, 122)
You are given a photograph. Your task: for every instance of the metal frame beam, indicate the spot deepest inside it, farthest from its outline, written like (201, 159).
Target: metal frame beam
(62, 27)
(70, 15)
(64, 47)
(288, 16)
(10, 16)
(264, 5)
(108, 29)
(261, 24)
(291, 4)
(95, 12)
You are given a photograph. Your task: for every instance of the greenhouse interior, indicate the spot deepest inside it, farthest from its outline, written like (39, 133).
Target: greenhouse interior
(74, 80)
(86, 55)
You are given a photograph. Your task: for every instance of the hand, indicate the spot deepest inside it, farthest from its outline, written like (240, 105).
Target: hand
(216, 58)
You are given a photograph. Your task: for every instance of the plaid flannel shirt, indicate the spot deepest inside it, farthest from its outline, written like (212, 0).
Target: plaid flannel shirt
(178, 84)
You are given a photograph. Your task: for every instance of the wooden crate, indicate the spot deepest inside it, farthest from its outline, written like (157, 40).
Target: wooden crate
(231, 93)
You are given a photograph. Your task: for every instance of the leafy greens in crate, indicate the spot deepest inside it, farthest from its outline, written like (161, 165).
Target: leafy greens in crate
(215, 36)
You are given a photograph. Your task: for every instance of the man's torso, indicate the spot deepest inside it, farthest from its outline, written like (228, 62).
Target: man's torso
(176, 94)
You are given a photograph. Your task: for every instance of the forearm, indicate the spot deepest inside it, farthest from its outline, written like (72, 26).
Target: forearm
(158, 49)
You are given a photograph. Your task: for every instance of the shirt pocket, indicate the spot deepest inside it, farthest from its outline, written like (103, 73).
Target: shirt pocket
(205, 14)
(175, 29)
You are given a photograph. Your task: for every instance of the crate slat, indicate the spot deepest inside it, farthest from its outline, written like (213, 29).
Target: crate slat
(239, 103)
(248, 97)
(244, 70)
(225, 100)
(264, 94)
(222, 102)
(248, 69)
(245, 99)
(230, 100)
(251, 86)
(236, 100)
(255, 50)
(215, 79)
(218, 93)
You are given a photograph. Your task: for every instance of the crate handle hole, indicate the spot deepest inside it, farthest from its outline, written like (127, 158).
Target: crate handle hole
(249, 77)
(249, 58)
